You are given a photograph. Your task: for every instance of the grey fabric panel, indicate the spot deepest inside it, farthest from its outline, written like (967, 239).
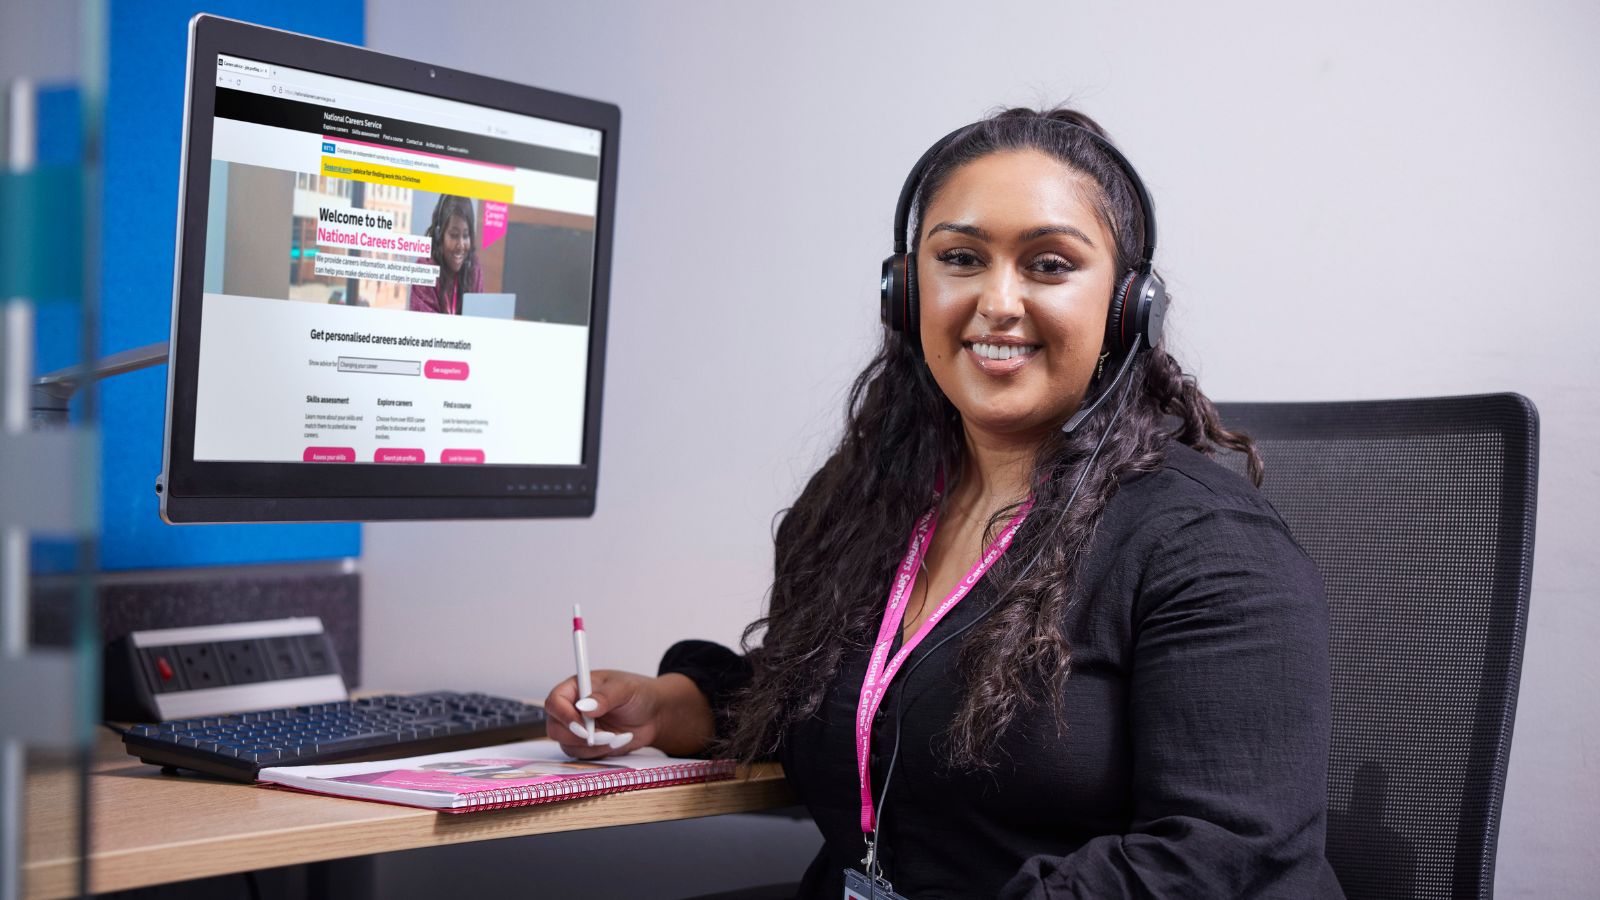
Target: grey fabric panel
(139, 601)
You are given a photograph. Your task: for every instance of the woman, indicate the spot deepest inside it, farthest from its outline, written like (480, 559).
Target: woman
(1133, 698)
(455, 242)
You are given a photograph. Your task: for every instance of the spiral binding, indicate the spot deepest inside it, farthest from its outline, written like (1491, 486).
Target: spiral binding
(594, 785)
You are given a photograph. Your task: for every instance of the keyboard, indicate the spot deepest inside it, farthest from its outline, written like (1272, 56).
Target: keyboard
(238, 746)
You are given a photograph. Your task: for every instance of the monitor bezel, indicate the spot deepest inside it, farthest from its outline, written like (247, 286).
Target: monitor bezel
(211, 491)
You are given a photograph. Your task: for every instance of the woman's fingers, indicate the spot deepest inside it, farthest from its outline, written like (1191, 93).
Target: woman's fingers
(606, 743)
(561, 699)
(595, 705)
(600, 736)
(588, 711)
(563, 721)
(625, 743)
(576, 722)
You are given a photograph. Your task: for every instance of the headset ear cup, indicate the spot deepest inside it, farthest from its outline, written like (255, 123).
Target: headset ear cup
(889, 288)
(898, 298)
(913, 316)
(1152, 308)
(1115, 325)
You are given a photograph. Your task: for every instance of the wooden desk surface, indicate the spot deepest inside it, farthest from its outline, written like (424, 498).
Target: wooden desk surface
(149, 828)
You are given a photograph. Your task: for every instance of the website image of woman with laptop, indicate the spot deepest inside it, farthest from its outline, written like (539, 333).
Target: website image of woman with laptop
(504, 261)
(454, 230)
(1025, 638)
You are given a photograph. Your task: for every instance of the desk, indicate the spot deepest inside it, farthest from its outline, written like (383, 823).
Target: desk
(148, 828)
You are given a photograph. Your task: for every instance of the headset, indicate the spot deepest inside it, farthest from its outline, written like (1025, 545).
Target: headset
(1138, 305)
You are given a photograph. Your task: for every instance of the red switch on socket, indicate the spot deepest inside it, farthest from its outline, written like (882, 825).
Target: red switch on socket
(164, 668)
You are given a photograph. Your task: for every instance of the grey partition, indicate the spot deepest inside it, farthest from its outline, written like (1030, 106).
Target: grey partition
(48, 511)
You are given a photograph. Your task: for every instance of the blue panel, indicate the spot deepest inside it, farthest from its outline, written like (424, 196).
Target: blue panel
(60, 129)
(60, 126)
(58, 325)
(143, 137)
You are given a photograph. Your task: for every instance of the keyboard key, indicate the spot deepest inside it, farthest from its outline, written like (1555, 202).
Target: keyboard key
(354, 742)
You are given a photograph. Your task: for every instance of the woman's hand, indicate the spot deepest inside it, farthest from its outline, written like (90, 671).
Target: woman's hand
(629, 711)
(622, 706)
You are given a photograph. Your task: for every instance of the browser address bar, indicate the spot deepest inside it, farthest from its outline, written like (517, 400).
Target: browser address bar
(376, 106)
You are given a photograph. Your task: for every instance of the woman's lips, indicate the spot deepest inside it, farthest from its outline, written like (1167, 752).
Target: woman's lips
(999, 366)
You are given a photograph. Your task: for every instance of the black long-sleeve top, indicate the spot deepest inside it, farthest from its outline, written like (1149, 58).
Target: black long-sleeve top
(1195, 754)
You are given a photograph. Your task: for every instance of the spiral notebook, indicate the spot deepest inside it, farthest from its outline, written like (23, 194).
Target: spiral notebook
(495, 777)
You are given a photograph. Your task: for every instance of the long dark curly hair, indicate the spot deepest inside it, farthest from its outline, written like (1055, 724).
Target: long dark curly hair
(838, 546)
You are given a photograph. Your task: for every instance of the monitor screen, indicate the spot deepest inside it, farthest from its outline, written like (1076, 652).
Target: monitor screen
(391, 288)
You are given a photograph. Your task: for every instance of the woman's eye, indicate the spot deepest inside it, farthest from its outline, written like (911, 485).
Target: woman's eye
(958, 258)
(1052, 265)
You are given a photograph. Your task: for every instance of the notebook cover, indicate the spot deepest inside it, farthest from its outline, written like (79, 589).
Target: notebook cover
(497, 777)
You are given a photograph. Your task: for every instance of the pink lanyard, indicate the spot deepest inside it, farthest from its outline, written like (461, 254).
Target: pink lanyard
(879, 675)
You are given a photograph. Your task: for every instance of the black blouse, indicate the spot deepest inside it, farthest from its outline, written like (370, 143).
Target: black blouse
(1194, 759)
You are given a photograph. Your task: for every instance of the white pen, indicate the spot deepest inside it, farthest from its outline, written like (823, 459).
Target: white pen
(580, 652)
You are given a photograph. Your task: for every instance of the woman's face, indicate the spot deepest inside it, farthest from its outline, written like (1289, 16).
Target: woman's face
(457, 243)
(1014, 275)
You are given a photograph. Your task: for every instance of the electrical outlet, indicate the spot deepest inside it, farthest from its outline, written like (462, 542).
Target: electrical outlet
(243, 661)
(283, 657)
(318, 654)
(202, 666)
(207, 670)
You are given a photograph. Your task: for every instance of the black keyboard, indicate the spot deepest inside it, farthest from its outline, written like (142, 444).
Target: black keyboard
(236, 747)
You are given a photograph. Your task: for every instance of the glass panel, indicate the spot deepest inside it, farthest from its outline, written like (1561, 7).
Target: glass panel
(49, 472)
(42, 208)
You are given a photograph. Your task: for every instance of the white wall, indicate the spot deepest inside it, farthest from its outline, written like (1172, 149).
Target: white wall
(1357, 200)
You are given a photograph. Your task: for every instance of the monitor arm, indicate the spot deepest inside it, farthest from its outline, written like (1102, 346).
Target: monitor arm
(53, 392)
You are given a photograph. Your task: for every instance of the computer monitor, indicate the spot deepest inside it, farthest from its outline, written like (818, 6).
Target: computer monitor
(391, 288)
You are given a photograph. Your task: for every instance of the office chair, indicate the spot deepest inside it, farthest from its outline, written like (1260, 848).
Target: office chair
(1420, 514)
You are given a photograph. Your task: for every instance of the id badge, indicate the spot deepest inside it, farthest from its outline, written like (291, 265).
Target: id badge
(858, 886)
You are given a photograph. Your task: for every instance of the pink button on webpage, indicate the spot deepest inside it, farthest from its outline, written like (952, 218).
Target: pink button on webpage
(449, 370)
(397, 455)
(461, 456)
(329, 454)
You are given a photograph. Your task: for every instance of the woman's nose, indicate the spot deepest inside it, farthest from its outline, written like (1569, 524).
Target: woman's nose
(1001, 302)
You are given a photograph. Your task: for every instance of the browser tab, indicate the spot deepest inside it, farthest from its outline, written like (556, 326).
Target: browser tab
(237, 66)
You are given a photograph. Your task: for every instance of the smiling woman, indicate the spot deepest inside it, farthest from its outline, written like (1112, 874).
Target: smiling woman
(454, 231)
(1023, 494)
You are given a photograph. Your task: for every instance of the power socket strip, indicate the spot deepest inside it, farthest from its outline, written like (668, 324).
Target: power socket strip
(211, 670)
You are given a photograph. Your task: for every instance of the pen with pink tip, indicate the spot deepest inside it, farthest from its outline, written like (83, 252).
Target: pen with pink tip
(580, 651)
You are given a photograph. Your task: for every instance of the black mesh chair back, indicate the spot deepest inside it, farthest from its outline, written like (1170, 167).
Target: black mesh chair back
(1420, 514)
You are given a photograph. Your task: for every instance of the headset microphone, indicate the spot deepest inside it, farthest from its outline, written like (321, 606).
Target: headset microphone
(1122, 370)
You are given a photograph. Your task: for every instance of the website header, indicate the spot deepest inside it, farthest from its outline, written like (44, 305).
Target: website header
(283, 82)
(356, 124)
